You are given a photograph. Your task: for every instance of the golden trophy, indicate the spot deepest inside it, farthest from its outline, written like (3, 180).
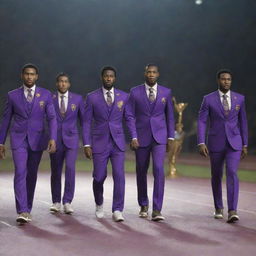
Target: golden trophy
(178, 139)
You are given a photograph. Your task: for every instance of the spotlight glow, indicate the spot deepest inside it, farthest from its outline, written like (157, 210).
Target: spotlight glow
(198, 2)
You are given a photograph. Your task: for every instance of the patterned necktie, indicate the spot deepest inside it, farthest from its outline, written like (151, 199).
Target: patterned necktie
(29, 96)
(151, 95)
(109, 98)
(225, 104)
(62, 105)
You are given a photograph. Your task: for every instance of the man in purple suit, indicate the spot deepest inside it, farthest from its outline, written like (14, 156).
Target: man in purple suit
(150, 108)
(69, 108)
(105, 140)
(227, 140)
(26, 110)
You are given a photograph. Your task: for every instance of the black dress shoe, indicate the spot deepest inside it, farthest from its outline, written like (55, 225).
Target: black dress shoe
(232, 217)
(143, 211)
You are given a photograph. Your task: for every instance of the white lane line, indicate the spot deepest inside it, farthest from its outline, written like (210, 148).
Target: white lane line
(190, 202)
(5, 223)
(247, 192)
(207, 188)
(44, 202)
(208, 195)
(193, 193)
(177, 216)
(248, 211)
(209, 205)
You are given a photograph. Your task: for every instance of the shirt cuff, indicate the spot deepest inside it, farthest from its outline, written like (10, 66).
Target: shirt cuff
(87, 146)
(170, 138)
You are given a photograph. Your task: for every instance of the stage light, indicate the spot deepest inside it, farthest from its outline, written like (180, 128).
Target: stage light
(198, 2)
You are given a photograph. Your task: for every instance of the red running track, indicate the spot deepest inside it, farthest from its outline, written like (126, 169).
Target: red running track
(189, 228)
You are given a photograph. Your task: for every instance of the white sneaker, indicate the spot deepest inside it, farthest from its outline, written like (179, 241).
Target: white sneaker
(55, 207)
(117, 216)
(99, 211)
(67, 208)
(22, 218)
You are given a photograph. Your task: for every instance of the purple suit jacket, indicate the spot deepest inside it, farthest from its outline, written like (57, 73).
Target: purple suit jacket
(101, 123)
(67, 125)
(232, 127)
(29, 124)
(159, 122)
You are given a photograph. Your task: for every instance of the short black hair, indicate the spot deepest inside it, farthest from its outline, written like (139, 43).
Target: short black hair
(106, 68)
(151, 65)
(30, 65)
(223, 71)
(62, 74)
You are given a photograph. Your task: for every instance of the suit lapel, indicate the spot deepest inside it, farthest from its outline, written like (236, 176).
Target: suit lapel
(113, 104)
(103, 102)
(233, 103)
(36, 99)
(118, 103)
(145, 97)
(158, 97)
(219, 103)
(56, 104)
(70, 103)
(22, 100)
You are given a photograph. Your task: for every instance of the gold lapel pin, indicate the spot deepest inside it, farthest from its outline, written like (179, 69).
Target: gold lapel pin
(41, 103)
(73, 107)
(120, 104)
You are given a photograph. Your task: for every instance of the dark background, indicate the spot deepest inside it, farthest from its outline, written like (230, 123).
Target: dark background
(189, 42)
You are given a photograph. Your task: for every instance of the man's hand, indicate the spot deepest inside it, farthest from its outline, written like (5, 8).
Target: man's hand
(88, 152)
(134, 144)
(244, 152)
(203, 150)
(51, 146)
(169, 145)
(2, 152)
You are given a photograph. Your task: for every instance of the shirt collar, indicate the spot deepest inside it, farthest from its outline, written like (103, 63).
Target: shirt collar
(221, 93)
(33, 88)
(105, 91)
(154, 87)
(64, 94)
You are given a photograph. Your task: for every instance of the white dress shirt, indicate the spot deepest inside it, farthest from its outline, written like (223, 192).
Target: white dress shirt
(111, 93)
(228, 98)
(65, 99)
(33, 89)
(154, 87)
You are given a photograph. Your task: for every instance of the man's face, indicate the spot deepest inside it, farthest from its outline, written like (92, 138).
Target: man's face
(151, 75)
(63, 84)
(225, 82)
(29, 77)
(108, 79)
